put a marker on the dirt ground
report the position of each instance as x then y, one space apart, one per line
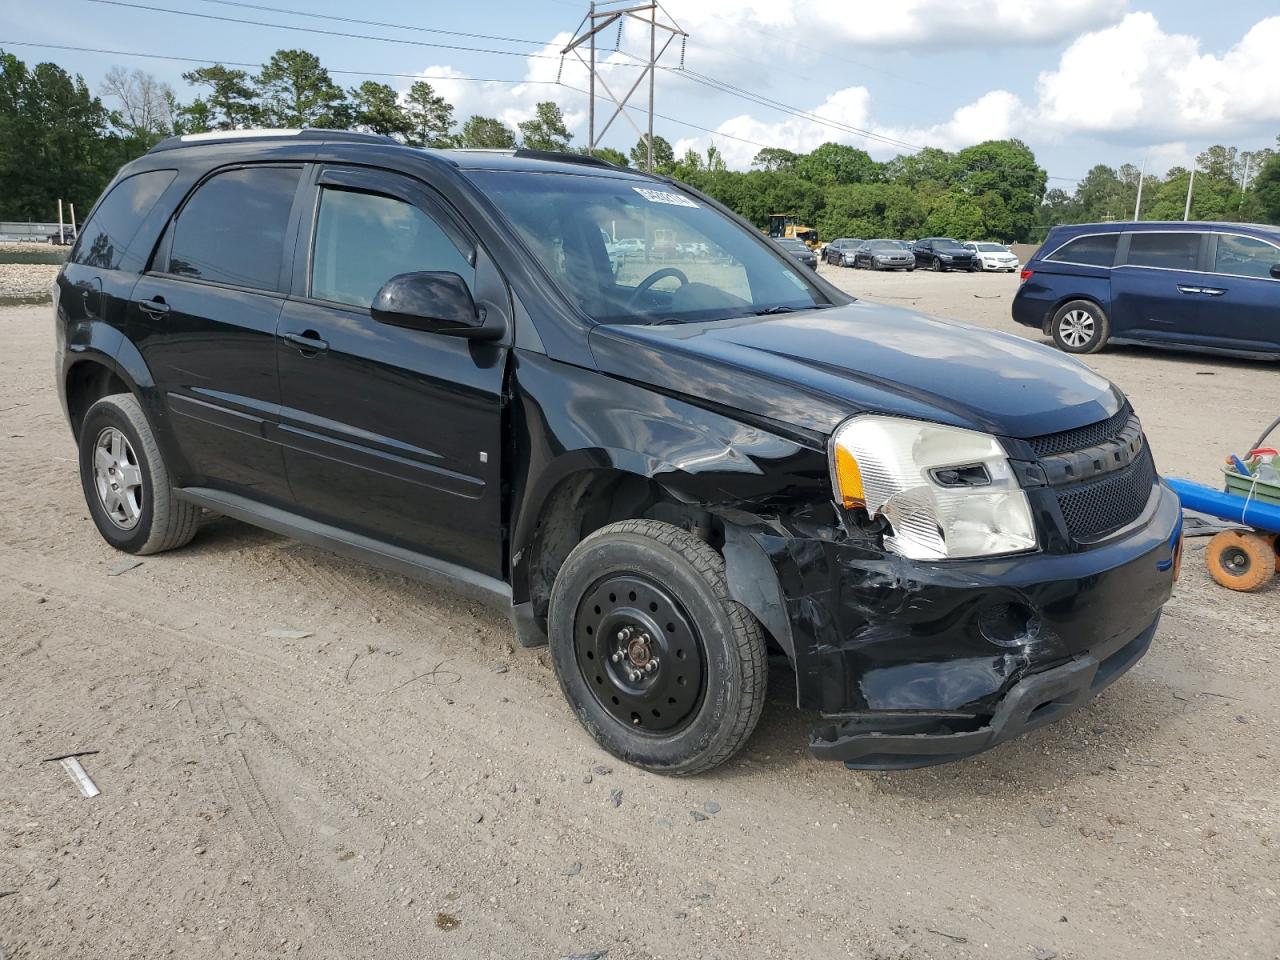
392 779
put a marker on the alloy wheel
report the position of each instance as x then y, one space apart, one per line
117 478
1076 328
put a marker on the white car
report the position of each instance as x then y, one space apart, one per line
994 256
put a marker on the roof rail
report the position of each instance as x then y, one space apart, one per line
563 156
267 133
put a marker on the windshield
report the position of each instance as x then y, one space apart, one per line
991 248
948 245
887 246
636 251
791 244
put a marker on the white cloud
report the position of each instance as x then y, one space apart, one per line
1135 79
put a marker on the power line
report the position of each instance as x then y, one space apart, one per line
373 23
243 63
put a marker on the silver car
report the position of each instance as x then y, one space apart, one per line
884 255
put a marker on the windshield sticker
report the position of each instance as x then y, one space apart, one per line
664 196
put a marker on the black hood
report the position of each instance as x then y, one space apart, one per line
814 368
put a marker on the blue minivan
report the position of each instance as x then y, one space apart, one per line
1189 286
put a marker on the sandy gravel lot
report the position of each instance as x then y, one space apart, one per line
394 780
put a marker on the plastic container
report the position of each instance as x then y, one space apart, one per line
1244 486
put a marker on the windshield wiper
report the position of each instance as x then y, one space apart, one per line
778 308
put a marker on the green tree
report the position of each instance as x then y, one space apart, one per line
1219 162
297 91
956 215
1213 197
610 155
1265 189
870 210
664 156
774 160
376 109
230 104
546 131
430 115
486 133
1005 175
55 141
930 165
837 163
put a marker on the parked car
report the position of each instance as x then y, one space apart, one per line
942 253
993 256
799 250
1201 286
884 255
629 247
420 359
840 252
65 238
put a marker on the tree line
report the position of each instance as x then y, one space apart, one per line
59 139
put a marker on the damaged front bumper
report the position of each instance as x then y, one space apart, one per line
914 663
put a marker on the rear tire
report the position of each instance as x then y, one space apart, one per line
126 484
639 592
1241 560
1080 326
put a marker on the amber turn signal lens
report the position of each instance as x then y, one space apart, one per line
849 480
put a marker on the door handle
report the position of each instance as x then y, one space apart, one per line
1213 291
1182 289
155 308
308 341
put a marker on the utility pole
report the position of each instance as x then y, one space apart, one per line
601 15
1141 176
1191 182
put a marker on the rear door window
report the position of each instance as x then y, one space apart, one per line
1245 256
1095 251
1170 251
232 229
106 235
365 239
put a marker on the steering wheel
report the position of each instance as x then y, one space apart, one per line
653 278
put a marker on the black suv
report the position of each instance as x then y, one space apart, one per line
671 467
943 253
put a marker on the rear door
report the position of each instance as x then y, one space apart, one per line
1157 284
390 432
1240 301
205 320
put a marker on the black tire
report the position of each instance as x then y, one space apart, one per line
1080 326
160 521
937 265
699 628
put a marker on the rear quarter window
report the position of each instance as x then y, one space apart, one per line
1098 250
106 236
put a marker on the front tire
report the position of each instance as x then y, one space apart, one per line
937 266
1080 326
661 666
126 484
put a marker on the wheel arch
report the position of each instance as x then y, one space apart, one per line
1047 326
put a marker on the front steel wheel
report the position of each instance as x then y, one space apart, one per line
661 666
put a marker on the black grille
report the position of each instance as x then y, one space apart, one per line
1098 507
1081 437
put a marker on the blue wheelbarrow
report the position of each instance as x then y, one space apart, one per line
1243 559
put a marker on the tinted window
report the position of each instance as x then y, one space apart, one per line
1174 251
232 229
105 237
364 239
1245 256
1097 251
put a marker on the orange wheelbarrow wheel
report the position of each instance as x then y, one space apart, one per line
1241 560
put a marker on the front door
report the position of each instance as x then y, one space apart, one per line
1240 302
391 432
205 320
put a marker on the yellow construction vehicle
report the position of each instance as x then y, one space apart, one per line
785 225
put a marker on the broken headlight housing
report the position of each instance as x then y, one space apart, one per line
946 493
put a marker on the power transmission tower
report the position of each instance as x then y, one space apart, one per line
602 15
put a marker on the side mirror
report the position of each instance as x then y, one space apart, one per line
435 302
1275 270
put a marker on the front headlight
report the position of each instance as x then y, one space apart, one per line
946 493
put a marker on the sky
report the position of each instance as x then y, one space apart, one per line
1080 81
